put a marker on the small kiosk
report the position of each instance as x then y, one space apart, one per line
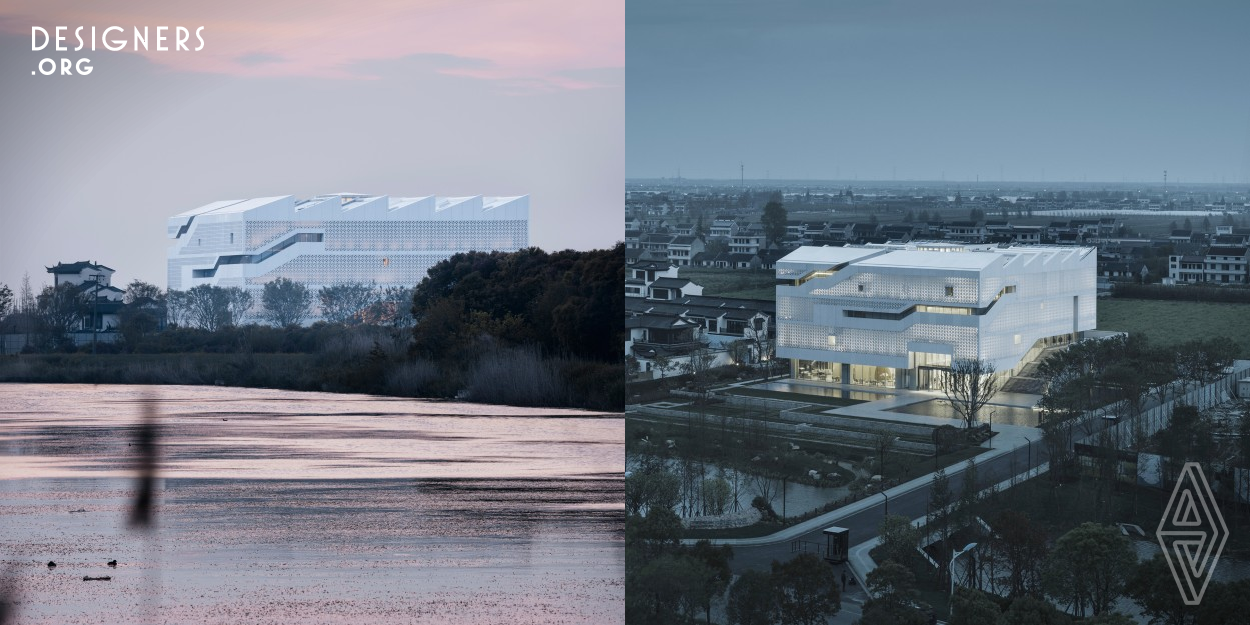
837 544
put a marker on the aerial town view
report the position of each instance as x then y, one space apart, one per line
928 322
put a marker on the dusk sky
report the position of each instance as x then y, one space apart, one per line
440 97
887 89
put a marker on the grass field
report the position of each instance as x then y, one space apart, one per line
1173 322
745 283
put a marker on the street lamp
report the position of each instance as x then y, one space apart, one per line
961 552
991 431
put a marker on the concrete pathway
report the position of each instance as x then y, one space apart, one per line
1001 451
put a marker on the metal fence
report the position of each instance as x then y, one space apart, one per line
1130 431
13 343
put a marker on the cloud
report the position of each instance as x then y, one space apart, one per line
540 43
260 58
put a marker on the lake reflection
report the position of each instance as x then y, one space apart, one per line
277 506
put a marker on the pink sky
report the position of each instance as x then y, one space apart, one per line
536 43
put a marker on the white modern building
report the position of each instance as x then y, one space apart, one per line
337 238
894 315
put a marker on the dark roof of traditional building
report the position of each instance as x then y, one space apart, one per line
77 267
648 264
670 283
1226 251
708 307
658 321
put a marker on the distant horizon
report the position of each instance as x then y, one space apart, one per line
762 182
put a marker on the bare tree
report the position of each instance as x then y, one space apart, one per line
343 303
700 369
205 307
740 352
1205 361
393 307
138 290
883 441
764 348
26 295
61 309
211 307
285 302
238 305
764 486
970 385
664 364
175 307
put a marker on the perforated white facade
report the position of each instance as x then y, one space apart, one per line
886 314
337 238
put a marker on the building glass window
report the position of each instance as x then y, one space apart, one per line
868 375
818 371
930 359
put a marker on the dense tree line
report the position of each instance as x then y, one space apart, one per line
1091 567
1117 376
526 328
666 582
1189 293
568 303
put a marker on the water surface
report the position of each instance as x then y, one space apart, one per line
276 506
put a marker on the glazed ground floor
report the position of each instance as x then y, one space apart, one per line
928 370
920 377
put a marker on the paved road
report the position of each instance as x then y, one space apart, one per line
911 504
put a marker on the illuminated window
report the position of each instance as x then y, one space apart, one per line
833 340
386 261
1016 339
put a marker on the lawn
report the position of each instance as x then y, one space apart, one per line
745 283
1172 322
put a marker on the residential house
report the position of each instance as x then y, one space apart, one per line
93 281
